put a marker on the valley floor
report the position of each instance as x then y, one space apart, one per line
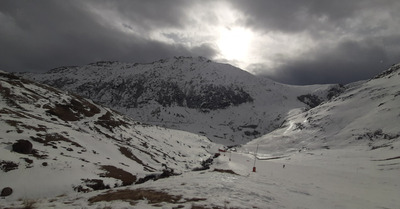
353 177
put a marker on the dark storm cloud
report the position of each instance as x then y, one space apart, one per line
148 14
38 36
294 16
349 61
354 39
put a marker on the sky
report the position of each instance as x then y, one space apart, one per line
295 42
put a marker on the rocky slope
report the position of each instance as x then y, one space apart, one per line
53 143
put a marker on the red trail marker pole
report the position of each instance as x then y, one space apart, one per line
255 158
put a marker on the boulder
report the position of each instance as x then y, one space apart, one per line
22 146
7 191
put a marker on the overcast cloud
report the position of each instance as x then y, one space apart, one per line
297 42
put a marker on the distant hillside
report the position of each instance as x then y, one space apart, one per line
367 113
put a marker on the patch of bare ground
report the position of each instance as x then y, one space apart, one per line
195 199
15 124
73 110
91 185
211 207
117 173
108 122
28 161
86 108
225 171
11 99
106 135
21 114
133 196
36 153
127 153
12 113
18 125
8 166
62 111
50 139
150 154
204 207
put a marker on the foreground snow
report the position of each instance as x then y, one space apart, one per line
354 177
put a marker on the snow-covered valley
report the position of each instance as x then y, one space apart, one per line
341 153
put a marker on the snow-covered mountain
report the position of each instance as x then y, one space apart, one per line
222 102
53 143
342 153
367 113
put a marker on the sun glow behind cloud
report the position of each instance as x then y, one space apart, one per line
219 27
221 33
234 43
